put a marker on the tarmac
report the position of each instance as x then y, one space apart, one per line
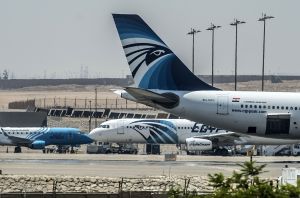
132 166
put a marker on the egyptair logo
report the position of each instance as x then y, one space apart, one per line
144 53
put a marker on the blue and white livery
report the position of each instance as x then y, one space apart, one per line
152 63
164 82
39 137
175 131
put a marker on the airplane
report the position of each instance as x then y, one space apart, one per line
163 81
196 136
39 137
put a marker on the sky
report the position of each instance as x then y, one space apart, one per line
72 38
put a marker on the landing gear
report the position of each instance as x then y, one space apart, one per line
72 150
59 149
222 151
18 149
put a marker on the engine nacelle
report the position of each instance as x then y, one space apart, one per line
198 144
38 144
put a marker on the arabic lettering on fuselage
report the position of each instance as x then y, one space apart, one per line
202 128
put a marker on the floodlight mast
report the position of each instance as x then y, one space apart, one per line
263 19
212 29
193 32
236 23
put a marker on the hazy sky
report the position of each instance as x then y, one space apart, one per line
55 38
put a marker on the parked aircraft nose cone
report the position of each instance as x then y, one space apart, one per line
92 134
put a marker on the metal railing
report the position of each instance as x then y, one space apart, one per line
87 103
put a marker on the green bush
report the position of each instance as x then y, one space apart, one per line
243 184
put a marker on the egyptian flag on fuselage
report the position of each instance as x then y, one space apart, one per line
236 99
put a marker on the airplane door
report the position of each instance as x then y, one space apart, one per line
120 127
222 105
294 125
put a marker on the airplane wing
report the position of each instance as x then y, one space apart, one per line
216 135
17 140
222 139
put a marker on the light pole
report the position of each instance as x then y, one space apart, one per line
212 29
90 119
264 18
236 23
95 107
193 32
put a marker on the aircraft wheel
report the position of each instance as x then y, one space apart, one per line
224 152
18 149
72 151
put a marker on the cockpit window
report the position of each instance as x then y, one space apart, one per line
104 126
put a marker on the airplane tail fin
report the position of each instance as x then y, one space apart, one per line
153 65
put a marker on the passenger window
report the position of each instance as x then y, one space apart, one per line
250 106
255 106
242 106
277 107
246 106
273 107
291 108
259 106
269 107
282 107
264 106
286 108
295 108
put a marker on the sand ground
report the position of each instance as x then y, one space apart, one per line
70 92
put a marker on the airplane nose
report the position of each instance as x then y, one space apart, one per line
92 134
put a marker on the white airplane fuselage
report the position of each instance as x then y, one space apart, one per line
242 111
164 131
162 80
172 131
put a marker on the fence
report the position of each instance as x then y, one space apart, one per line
135 194
86 103
21 104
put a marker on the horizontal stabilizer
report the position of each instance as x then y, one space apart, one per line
17 140
167 100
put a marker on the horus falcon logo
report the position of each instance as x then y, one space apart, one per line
139 53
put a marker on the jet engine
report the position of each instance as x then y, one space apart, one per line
198 144
38 144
